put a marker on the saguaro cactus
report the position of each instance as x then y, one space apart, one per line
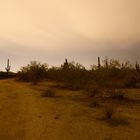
137 66
8 67
66 64
99 64
106 62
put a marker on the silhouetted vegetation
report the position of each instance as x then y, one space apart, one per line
3 75
33 72
111 74
72 75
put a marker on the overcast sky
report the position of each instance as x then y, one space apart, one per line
80 30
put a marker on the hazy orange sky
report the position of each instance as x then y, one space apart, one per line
52 30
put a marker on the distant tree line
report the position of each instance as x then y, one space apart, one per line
111 73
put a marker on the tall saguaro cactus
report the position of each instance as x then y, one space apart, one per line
137 66
8 67
66 64
99 64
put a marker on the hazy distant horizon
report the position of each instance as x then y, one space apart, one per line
79 30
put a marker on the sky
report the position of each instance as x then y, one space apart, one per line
81 30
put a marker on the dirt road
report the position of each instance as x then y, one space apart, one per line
19 113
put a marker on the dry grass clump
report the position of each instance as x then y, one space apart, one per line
93 91
109 111
48 93
117 94
113 117
94 103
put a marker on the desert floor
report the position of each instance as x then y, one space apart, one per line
69 115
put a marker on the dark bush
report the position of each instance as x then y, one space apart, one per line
93 91
48 93
73 75
116 94
109 74
94 103
33 72
109 111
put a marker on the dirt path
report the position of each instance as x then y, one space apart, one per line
19 113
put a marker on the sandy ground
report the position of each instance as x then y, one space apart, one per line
25 115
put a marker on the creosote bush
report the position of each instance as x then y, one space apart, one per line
72 75
117 94
93 91
94 103
113 117
109 111
109 74
33 72
48 93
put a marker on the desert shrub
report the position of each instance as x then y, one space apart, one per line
109 111
113 117
132 79
48 93
33 72
138 85
72 75
3 75
94 103
119 120
93 91
113 74
116 93
54 73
